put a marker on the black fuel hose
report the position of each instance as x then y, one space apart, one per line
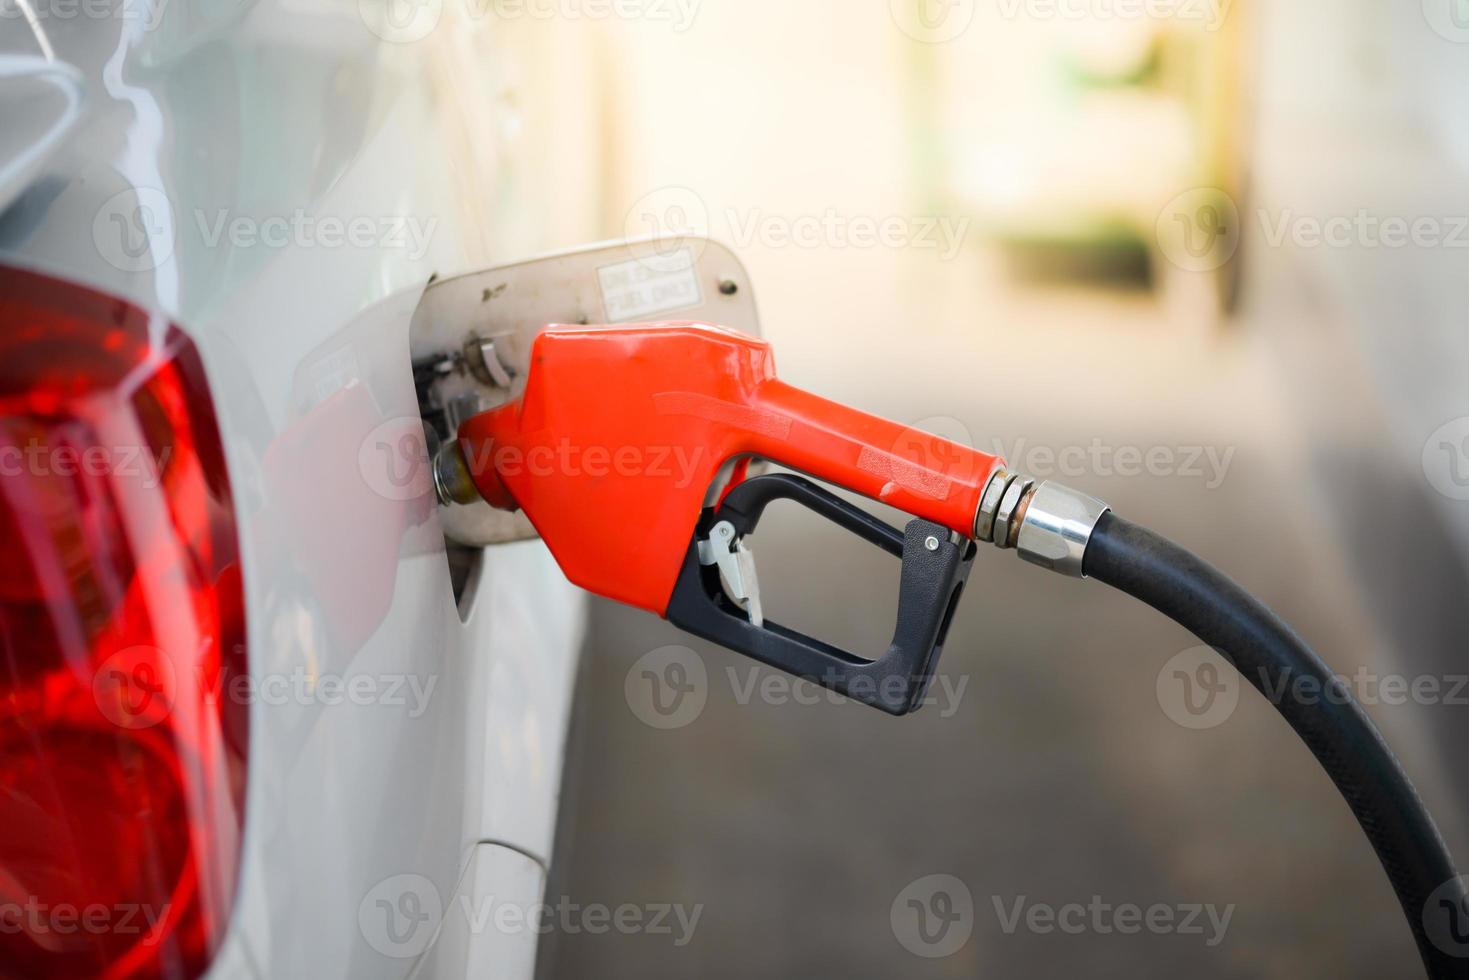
1334 727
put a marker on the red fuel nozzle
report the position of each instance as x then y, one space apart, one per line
614 447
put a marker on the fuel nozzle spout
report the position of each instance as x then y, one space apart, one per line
453 483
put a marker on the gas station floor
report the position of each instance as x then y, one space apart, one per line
1047 772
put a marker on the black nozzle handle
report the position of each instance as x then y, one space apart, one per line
933 574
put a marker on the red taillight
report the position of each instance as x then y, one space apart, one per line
122 752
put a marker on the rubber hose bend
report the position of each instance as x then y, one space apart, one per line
1273 658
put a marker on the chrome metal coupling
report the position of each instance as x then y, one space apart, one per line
1049 524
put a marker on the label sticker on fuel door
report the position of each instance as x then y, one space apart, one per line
652 284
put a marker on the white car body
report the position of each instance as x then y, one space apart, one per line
209 141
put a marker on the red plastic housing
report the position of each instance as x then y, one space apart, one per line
122 753
622 431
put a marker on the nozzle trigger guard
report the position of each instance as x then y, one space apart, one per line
933 575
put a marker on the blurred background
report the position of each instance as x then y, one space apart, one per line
1202 259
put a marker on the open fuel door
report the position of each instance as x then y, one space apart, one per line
471 335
